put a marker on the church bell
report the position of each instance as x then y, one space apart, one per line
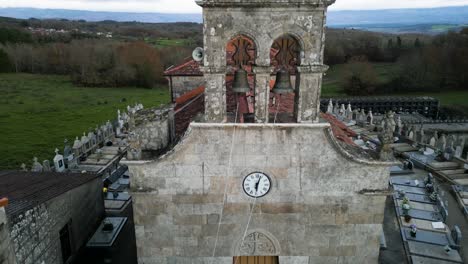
283 83
241 82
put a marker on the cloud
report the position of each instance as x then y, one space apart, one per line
390 4
160 6
189 6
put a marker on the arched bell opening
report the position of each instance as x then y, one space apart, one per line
241 52
285 58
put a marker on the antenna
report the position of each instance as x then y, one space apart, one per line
198 54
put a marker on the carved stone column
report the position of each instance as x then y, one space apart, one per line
215 94
308 90
262 93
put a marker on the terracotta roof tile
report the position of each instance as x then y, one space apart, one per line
188 68
340 130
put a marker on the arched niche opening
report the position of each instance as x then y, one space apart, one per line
285 55
241 52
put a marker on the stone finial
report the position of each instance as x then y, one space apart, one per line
336 109
36 166
399 125
422 135
329 108
355 114
442 143
342 112
349 112
370 117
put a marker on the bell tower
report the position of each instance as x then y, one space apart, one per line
288 36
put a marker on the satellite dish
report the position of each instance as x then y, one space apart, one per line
198 54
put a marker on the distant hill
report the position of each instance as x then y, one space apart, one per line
429 20
93 16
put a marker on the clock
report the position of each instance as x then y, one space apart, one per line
256 184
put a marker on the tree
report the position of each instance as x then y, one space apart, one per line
5 64
417 43
359 78
399 42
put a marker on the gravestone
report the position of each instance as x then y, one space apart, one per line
36 166
46 166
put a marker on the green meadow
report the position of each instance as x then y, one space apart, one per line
37 112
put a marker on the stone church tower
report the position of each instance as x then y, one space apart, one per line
264 22
270 192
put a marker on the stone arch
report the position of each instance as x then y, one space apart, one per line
240 40
257 242
241 50
289 46
292 33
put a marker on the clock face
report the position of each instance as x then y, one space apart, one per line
257 184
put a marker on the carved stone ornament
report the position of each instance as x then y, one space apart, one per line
257 244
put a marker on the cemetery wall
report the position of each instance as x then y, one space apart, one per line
318 211
7 255
35 233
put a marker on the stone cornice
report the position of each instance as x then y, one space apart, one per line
213 70
317 68
265 3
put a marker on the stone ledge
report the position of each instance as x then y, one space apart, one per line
269 125
265 3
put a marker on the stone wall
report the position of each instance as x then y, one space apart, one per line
7 256
184 84
35 233
316 211
153 131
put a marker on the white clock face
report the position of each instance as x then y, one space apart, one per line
257 184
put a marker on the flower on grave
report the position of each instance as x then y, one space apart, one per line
414 230
434 196
406 200
447 249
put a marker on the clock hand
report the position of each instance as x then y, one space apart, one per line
257 184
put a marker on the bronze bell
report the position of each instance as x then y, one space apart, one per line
241 82
283 83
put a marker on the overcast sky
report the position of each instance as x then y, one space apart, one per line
189 6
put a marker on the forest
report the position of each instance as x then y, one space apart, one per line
138 53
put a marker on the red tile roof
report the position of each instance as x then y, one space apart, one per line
189 68
340 130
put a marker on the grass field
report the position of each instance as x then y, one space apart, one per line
332 80
37 112
163 42
332 86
